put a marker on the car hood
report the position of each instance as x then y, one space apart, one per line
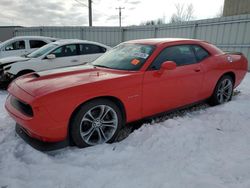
10 60
42 83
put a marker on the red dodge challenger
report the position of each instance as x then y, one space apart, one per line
136 79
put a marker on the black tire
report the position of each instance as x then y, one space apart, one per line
77 126
218 94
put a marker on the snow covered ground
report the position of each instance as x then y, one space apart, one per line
207 148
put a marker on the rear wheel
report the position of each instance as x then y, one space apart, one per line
96 122
223 91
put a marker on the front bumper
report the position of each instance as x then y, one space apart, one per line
39 145
41 125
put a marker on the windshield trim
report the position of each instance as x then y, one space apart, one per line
123 69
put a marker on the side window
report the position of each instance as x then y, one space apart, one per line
37 43
67 50
200 53
18 45
91 49
181 55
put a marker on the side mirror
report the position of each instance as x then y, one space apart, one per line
51 56
168 65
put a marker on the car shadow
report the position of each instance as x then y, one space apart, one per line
124 132
131 127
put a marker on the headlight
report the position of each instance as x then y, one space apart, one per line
6 76
9 75
6 68
5 71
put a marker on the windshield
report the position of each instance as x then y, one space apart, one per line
41 51
125 57
3 43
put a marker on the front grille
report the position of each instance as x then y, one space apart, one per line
21 106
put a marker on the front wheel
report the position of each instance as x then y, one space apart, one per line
223 91
96 122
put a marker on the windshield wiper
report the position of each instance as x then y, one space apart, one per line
26 55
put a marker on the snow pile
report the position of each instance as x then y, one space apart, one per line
208 148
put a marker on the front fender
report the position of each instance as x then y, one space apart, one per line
62 104
20 66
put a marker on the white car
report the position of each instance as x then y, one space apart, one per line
18 46
62 53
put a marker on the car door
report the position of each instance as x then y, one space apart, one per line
65 56
171 89
90 52
14 48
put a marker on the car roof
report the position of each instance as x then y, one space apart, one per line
73 41
32 37
159 41
26 37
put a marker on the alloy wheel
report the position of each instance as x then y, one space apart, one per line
225 90
98 124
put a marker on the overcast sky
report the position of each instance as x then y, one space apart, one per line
71 13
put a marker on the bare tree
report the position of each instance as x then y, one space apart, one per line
219 13
153 22
182 13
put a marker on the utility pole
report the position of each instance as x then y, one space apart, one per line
90 9
120 15
90 13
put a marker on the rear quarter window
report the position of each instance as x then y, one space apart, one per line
200 53
91 49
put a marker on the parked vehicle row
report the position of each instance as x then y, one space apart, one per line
18 46
137 79
62 53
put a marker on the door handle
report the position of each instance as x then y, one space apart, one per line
197 69
74 60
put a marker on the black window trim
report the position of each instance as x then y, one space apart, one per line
191 47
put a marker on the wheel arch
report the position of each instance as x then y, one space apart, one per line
116 100
231 74
25 71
